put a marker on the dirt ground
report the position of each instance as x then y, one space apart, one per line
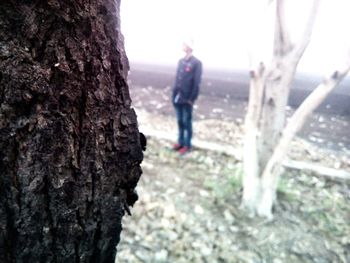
189 207
189 211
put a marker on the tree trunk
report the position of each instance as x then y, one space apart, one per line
69 144
265 120
276 92
251 179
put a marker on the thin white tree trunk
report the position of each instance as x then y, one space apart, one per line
286 57
272 122
251 179
277 87
266 113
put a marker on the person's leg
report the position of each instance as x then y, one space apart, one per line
187 117
180 123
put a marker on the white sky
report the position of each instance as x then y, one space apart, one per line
222 30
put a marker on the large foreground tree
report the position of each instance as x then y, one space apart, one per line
69 143
266 137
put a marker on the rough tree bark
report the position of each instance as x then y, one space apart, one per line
265 119
69 143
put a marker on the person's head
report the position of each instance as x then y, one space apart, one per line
187 46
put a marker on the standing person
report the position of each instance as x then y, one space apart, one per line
185 93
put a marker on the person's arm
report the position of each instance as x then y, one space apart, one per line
174 92
196 82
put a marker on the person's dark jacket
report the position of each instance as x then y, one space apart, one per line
188 78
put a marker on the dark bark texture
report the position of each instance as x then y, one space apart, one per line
70 149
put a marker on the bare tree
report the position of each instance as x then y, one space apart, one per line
69 146
265 119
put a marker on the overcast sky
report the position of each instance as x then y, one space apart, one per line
222 30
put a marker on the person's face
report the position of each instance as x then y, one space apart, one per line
186 48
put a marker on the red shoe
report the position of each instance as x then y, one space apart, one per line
177 147
184 150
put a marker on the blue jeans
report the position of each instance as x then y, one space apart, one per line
184 121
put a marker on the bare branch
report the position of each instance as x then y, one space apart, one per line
282 41
306 36
300 116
